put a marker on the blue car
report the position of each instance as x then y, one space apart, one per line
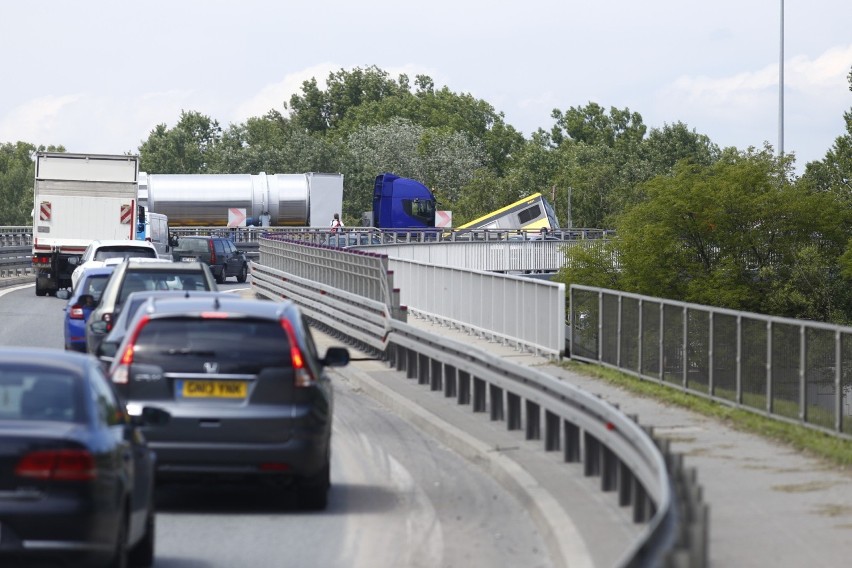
86 296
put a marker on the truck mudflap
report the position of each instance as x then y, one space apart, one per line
45 283
53 272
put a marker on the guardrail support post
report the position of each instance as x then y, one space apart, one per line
573 449
592 458
609 469
496 396
479 402
423 369
551 431
533 421
464 387
450 381
513 402
436 377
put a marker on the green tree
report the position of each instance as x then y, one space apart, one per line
188 148
17 171
484 193
592 125
445 110
601 161
319 111
834 172
736 234
273 144
667 146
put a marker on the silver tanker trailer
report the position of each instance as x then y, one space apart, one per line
209 200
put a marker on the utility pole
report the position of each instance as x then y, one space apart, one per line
781 89
570 220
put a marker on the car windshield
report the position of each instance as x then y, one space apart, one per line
36 394
124 251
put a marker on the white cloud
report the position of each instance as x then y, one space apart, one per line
273 95
825 74
742 109
736 95
36 119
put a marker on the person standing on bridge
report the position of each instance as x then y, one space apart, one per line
336 223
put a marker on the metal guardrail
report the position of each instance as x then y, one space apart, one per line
639 468
792 370
15 263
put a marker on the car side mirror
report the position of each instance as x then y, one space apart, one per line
106 350
147 415
336 357
99 326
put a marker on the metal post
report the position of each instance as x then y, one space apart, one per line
781 88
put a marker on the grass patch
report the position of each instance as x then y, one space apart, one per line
812 442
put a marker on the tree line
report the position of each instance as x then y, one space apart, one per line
694 222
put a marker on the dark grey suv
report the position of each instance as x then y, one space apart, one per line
220 253
139 275
245 388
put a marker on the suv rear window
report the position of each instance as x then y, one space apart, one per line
195 245
124 251
237 345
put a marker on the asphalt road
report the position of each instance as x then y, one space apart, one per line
399 498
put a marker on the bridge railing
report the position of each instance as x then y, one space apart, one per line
793 370
15 255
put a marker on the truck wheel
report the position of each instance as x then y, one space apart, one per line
39 290
243 275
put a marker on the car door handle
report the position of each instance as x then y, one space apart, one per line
209 423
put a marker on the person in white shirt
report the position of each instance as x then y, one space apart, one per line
336 223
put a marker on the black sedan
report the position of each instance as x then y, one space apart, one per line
76 475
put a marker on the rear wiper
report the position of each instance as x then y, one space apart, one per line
188 351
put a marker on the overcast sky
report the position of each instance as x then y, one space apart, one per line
98 76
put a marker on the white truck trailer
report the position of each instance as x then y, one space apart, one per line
79 198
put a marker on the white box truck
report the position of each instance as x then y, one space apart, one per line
79 198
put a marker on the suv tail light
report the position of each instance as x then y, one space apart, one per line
107 317
76 312
302 375
59 465
121 373
212 248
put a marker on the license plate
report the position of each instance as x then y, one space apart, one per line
188 259
212 389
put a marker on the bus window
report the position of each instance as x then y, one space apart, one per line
529 214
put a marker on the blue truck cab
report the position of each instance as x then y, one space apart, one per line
402 203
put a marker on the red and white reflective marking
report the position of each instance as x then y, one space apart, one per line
126 214
44 211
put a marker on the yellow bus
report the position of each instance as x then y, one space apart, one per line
530 214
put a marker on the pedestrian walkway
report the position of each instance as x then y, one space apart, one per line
770 505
